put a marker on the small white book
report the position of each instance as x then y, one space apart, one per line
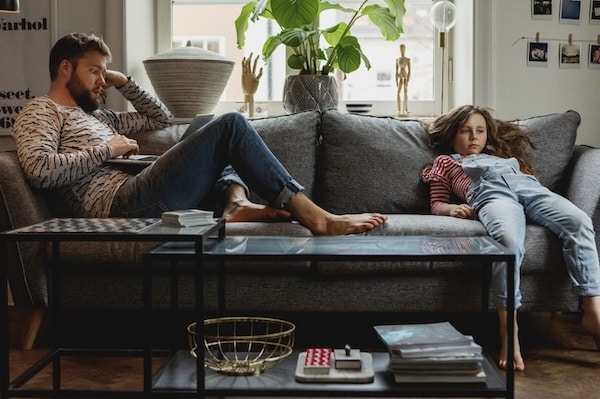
187 217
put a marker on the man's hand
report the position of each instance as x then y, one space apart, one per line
121 145
114 79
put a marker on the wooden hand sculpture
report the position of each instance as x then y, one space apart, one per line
250 82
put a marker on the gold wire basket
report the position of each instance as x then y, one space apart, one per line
243 345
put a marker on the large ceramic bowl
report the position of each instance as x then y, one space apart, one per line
189 80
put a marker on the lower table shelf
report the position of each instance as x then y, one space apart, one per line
178 374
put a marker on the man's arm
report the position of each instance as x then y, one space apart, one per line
150 112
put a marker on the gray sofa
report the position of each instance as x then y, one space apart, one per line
348 163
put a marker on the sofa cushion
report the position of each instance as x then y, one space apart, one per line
370 163
554 138
294 140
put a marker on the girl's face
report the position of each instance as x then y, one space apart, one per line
471 137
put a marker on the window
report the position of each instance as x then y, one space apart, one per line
210 24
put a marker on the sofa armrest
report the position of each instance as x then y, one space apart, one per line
583 187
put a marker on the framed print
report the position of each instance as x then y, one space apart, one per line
595 12
25 47
570 11
570 55
541 9
594 56
537 54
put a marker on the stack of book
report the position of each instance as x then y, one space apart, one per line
187 217
432 353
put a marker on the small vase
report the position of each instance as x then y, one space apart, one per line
309 92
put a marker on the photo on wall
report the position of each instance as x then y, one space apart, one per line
537 54
595 12
570 55
541 9
570 11
594 56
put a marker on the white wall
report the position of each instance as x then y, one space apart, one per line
504 82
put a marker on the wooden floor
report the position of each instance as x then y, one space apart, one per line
560 363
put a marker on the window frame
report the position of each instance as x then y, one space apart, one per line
418 108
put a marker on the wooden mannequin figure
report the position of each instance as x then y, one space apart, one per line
402 78
250 82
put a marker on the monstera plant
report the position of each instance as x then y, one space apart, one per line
317 50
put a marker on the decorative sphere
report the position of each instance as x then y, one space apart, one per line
443 15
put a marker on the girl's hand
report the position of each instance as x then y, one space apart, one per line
462 211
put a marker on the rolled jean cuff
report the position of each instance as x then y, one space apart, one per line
226 181
288 192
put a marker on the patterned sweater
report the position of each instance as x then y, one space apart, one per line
445 177
63 149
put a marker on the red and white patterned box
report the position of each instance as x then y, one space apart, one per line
318 361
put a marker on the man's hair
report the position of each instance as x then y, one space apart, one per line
72 47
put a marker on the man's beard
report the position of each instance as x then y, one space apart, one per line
81 95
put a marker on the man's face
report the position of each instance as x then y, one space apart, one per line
86 84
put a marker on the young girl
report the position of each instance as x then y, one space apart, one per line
485 167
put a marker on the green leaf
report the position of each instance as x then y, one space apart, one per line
291 14
270 46
325 5
241 23
294 37
384 20
334 34
397 9
259 9
296 61
348 58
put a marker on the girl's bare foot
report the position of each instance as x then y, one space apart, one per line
518 363
591 317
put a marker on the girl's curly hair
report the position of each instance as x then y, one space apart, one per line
504 139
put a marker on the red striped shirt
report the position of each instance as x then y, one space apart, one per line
445 177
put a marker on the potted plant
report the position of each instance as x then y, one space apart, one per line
316 51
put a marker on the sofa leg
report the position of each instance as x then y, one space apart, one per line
32 329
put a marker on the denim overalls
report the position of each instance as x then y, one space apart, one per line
504 198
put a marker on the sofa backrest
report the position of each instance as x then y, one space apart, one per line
370 163
294 140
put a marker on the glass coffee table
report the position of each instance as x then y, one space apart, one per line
55 231
185 374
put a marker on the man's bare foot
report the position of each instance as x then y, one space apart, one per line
321 223
518 363
591 317
246 211
335 225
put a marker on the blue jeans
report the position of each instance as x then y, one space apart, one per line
505 198
206 162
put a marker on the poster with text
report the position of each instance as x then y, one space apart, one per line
25 41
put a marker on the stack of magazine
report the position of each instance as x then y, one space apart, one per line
432 353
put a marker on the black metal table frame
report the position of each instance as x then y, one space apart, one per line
158 253
12 388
